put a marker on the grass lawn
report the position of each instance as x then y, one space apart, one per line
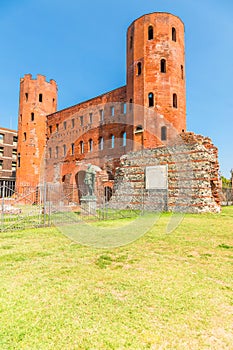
164 291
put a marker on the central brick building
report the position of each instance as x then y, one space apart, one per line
147 113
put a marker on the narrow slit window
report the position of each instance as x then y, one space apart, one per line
163 66
81 147
56 152
26 96
101 143
50 129
112 141
124 139
151 99
19 159
139 70
150 33
164 133
173 34
64 150
101 115
72 123
175 100
32 116
112 111
72 149
64 125
182 71
131 42
40 97
91 118
57 127
24 136
90 144
81 120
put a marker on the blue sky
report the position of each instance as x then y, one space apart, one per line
81 44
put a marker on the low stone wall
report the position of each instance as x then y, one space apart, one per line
193 182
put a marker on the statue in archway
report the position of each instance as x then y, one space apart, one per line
89 179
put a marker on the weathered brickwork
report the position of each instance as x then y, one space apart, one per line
37 99
193 183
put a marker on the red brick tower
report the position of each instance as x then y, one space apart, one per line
156 77
38 98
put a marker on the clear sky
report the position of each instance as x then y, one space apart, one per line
82 45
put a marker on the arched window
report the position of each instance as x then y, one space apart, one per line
182 72
124 139
163 66
139 66
81 147
173 34
175 100
90 145
150 33
164 133
150 99
101 143
112 141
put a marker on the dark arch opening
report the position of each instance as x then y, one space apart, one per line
163 66
150 99
175 100
150 33
173 34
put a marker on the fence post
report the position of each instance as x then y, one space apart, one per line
3 200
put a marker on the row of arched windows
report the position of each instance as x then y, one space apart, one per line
151 33
163 68
151 100
111 144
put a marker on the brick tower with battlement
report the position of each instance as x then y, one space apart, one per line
37 99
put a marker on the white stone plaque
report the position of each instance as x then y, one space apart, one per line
156 177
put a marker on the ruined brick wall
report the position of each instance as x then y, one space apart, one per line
156 64
193 182
38 98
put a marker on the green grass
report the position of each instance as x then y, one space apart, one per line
164 291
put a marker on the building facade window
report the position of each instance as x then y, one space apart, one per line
182 71
64 125
123 108
90 145
175 103
139 68
14 153
40 98
112 111
163 133
101 115
173 34
112 141
81 120
150 99
91 118
13 166
72 149
50 152
19 160
1 138
1 151
72 123
124 139
101 143
1 164
56 152
150 33
24 136
64 150
32 116
81 147
26 96
163 66
50 129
